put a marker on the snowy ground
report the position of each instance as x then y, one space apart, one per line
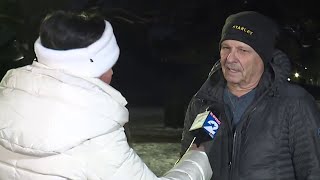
157 145
159 157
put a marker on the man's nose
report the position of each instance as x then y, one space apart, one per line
231 57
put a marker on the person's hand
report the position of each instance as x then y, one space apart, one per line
205 147
200 148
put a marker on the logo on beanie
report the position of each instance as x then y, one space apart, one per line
244 29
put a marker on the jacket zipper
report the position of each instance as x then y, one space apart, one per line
234 140
232 155
234 146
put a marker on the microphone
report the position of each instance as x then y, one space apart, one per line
205 127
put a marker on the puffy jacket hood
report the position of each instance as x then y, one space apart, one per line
281 65
46 112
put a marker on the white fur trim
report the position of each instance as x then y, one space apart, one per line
104 53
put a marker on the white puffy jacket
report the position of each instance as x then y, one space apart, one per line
56 126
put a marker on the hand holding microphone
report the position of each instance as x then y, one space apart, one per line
204 129
207 130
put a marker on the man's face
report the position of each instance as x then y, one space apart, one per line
107 76
241 65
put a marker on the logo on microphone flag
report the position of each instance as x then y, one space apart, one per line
207 121
211 124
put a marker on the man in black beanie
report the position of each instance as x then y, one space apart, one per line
269 129
253 29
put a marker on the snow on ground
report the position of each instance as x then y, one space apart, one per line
159 157
156 145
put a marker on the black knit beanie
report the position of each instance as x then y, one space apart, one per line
253 29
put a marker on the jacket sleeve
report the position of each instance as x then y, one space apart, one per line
113 158
305 139
194 165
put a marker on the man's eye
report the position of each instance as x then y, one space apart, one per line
244 50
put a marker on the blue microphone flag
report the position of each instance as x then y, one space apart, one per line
205 124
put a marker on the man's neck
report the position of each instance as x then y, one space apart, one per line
238 90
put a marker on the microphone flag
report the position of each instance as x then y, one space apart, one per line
205 127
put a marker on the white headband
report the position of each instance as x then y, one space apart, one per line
91 61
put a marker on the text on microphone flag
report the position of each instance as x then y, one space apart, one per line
211 124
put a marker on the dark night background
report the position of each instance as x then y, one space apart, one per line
168 46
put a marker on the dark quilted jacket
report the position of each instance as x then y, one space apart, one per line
278 137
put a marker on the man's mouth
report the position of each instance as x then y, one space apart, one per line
232 70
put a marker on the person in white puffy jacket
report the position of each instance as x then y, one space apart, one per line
60 118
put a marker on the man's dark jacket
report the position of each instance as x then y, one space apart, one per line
278 136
